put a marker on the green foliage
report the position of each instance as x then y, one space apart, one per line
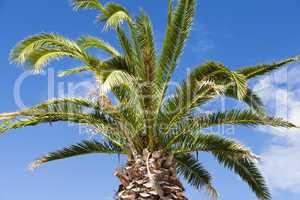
231 155
37 51
251 99
114 15
87 4
73 110
170 11
203 84
194 142
247 170
83 148
145 41
92 42
254 71
220 74
74 71
177 33
239 117
142 117
195 174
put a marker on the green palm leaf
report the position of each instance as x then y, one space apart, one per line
45 40
118 78
259 70
87 4
195 174
74 71
253 101
92 42
248 172
73 110
239 117
114 16
37 51
42 57
145 41
176 35
192 123
83 148
231 155
192 142
188 97
61 105
204 83
170 12
220 75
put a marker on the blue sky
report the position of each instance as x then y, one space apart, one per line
237 33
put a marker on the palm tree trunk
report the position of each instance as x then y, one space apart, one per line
151 176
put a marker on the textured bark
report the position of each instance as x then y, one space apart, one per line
150 177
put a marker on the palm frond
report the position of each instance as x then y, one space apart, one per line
116 20
73 110
37 51
75 105
37 60
80 149
117 78
239 117
130 106
188 96
259 70
92 42
195 174
115 63
114 16
241 85
235 117
113 69
145 41
249 173
170 11
63 104
253 101
191 142
74 71
220 74
202 84
45 40
86 119
99 122
176 36
230 154
127 46
223 83
87 4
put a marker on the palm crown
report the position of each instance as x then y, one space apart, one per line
144 117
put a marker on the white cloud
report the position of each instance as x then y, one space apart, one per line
281 166
281 163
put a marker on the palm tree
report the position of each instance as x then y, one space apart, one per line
159 134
